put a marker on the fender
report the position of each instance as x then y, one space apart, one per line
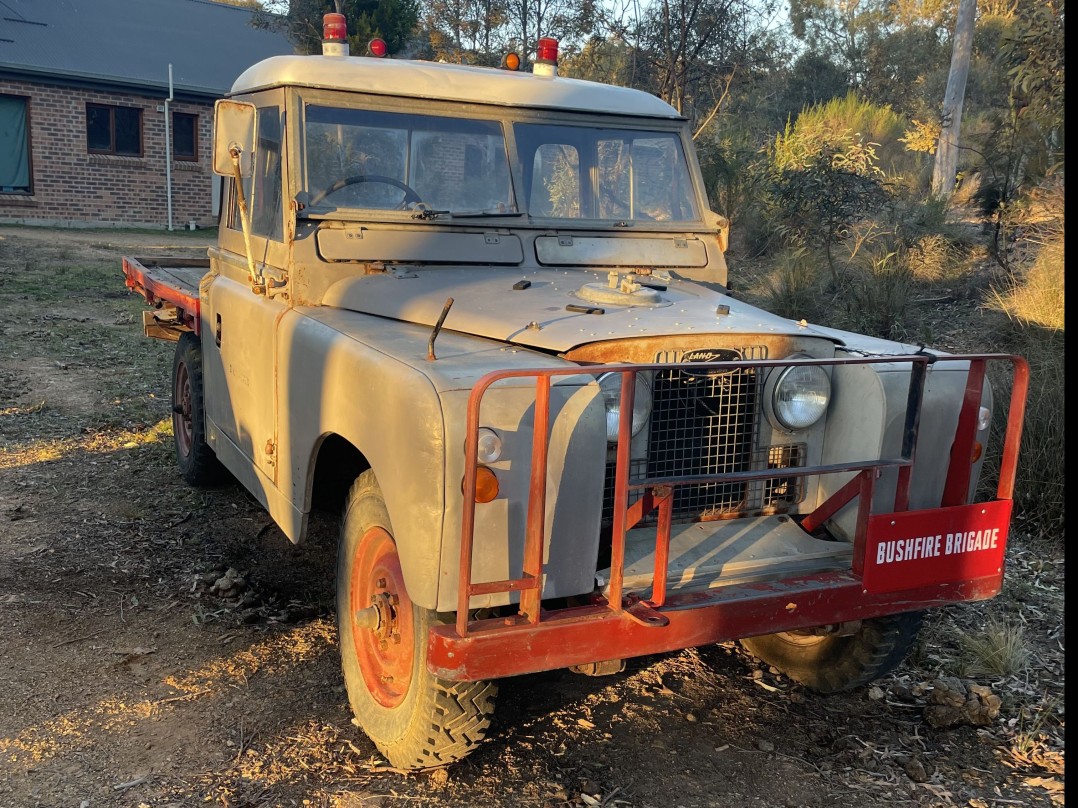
361 377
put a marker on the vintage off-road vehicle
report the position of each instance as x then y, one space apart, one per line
485 313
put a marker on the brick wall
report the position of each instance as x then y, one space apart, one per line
73 187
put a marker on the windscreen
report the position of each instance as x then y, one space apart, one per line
380 160
578 172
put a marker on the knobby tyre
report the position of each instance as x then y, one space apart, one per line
831 663
196 459
416 719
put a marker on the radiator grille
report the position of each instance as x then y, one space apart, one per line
703 424
707 423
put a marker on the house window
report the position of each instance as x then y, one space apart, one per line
184 136
14 145
114 130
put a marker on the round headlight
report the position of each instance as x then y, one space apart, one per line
610 384
800 396
490 445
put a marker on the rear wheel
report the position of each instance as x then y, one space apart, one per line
197 461
831 663
414 718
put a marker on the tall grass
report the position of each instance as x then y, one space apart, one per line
1033 301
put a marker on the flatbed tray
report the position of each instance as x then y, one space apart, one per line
169 283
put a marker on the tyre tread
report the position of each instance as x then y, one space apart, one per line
843 663
200 468
449 719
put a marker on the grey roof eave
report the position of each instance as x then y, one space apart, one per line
91 79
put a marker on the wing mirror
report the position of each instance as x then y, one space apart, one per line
233 137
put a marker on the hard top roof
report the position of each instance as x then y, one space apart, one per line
453 82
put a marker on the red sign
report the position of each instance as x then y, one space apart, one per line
943 545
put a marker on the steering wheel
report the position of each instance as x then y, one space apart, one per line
410 194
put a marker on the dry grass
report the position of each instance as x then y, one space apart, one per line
1036 298
999 649
791 288
1033 301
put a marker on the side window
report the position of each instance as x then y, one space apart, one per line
555 188
14 145
266 200
262 190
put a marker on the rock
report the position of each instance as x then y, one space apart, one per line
439 778
690 718
952 703
982 706
765 745
229 585
915 770
900 690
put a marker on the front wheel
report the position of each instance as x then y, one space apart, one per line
831 663
416 720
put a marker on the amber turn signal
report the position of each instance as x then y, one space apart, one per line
978 450
486 485
511 61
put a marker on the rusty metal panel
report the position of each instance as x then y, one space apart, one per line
506 647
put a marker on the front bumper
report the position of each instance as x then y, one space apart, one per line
898 562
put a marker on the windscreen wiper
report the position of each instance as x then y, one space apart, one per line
485 214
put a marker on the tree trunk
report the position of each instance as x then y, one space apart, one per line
945 169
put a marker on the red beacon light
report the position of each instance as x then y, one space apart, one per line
377 47
334 35
546 57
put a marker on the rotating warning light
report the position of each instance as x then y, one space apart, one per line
334 28
377 47
546 57
334 35
546 50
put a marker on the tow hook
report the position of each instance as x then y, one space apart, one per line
847 629
605 668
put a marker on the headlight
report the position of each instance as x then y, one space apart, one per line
610 384
800 396
490 445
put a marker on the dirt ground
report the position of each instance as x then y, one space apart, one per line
128 678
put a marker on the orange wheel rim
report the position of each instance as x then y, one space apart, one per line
385 654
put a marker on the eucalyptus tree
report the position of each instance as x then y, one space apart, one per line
394 21
467 31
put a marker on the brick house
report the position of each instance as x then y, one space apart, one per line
84 91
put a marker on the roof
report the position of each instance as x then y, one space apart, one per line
439 80
132 42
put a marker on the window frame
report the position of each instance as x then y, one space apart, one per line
27 103
112 130
192 158
252 183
